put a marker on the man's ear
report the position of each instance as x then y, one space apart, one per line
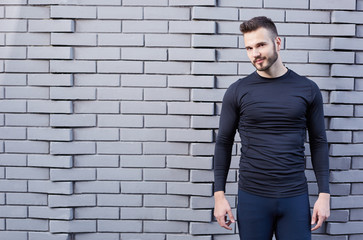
278 43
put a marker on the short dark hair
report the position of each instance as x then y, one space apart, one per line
259 22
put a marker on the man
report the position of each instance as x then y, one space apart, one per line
271 109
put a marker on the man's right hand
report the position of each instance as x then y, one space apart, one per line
222 209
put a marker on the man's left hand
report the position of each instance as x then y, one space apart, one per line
321 210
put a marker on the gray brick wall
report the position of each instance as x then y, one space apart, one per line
109 111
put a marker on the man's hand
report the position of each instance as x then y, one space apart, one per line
221 208
321 210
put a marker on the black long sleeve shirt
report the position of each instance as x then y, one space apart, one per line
272 115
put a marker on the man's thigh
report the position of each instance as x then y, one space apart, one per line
255 216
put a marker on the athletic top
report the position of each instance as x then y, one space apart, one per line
272 115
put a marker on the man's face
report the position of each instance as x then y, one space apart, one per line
261 48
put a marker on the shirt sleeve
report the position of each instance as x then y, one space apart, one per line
228 124
318 140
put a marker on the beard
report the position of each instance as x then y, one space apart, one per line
269 61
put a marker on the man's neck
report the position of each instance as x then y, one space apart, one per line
276 70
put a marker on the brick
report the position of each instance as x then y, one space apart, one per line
203 149
96 134
83 200
13 211
338 110
339 43
167 40
334 83
310 69
64 66
119 67
27 173
119 121
286 4
179 188
31 66
346 97
147 26
165 201
15 133
191 108
307 16
119 148
78 120
51 25
346 176
358 137
142 81
74 39
205 122
345 228
119 39
49 213
72 175
167 67
227 27
166 226
66 148
171 13
192 3
332 29
14 235
96 161
50 187
143 161
356 214
340 163
26 93
214 68
143 236
212 13
97 213
13 185
96 107
119 174
191 81
332 4
13 25
97 187
104 80
50 80
119 200
214 41
78 226
184 237
95 236
133 107
346 123
165 148
15 39
346 70
143 213
79 2
142 135
74 93
192 27
165 175
200 176
12 79
13 160
346 17
145 2
50 53
178 135
168 94
97 53
357 188
15 106
49 134
209 228
119 13
26 147
346 149
119 226
307 43
50 161
208 95
275 15
228 55
331 57
26 199
27 224
39 106
78 12
144 53
106 26
339 136
143 187
175 214
180 54
358 111
12 52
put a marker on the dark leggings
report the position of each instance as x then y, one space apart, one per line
259 218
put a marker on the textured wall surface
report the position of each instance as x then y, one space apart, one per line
109 112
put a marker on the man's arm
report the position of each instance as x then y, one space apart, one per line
319 157
222 156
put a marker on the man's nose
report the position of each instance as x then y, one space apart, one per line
255 53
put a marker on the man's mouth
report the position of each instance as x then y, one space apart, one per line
259 60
